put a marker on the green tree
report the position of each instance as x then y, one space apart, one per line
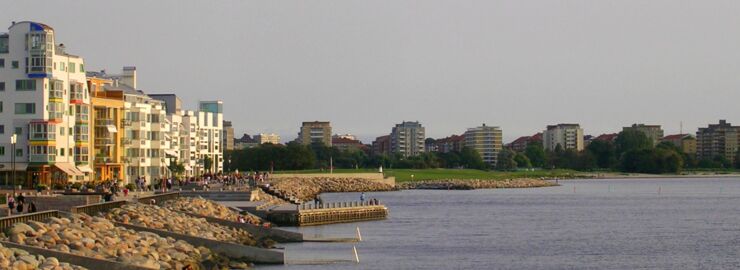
536 154
208 163
604 152
506 160
470 158
522 161
631 140
176 168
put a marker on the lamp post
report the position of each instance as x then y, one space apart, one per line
13 140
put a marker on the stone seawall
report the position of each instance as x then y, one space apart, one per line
305 189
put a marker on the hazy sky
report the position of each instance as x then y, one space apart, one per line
367 65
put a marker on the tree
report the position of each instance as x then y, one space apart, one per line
657 160
536 154
506 160
522 161
470 158
207 163
604 153
629 140
176 168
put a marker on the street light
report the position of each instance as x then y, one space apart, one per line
13 140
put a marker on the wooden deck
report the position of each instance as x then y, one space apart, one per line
292 215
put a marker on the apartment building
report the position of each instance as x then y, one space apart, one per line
487 140
407 139
721 139
568 136
653 132
228 136
381 145
685 142
264 138
210 127
317 131
107 118
45 89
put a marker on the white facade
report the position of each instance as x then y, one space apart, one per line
264 138
407 139
46 102
568 136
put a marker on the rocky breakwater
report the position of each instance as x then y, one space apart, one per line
18 259
203 207
99 238
463 184
155 217
305 189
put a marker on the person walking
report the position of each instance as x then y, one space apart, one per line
11 203
362 197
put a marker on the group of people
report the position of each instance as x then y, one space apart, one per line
373 201
19 204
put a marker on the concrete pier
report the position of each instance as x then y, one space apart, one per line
335 212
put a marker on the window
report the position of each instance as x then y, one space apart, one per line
82 68
2 86
1 106
2 63
25 85
19 131
2 150
18 152
71 67
61 131
61 151
4 43
25 108
15 64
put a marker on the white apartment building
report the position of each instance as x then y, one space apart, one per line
487 140
264 138
145 126
45 91
568 136
210 128
407 139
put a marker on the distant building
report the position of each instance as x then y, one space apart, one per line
345 136
346 144
587 139
264 138
245 141
452 143
718 140
685 142
430 145
653 132
568 136
521 143
407 139
228 136
611 137
487 140
316 131
382 145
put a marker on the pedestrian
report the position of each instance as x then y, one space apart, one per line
19 207
321 201
362 197
32 208
11 203
21 199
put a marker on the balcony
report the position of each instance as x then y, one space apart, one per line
103 159
102 122
84 137
42 158
126 122
104 141
57 95
125 141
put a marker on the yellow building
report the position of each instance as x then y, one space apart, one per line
107 118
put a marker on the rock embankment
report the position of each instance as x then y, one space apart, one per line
305 189
18 259
268 199
203 207
462 184
99 238
152 216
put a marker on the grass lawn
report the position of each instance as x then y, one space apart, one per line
404 175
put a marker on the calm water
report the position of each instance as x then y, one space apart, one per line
601 224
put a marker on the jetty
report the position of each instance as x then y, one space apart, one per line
333 212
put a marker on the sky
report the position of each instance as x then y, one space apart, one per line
452 65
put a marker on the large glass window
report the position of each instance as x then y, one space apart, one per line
25 85
25 108
4 44
43 131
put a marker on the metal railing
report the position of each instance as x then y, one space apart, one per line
334 205
93 209
40 216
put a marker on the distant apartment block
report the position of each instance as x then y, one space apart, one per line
228 136
653 132
609 137
264 138
382 145
346 143
568 136
407 139
317 131
453 143
487 140
718 140
685 142
246 141
521 143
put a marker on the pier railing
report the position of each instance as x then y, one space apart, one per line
6 222
159 198
94 209
334 205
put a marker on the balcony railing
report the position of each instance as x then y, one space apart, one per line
55 115
104 122
82 137
42 158
43 136
104 141
126 122
125 141
56 94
